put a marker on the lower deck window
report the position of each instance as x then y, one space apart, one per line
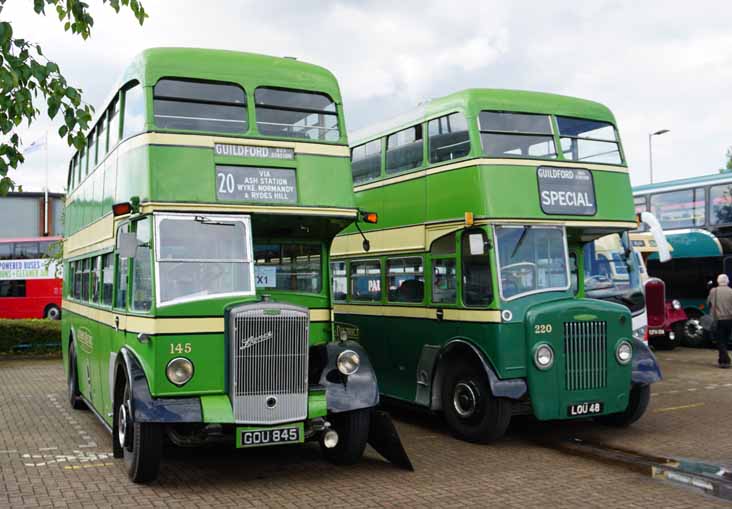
444 281
405 279
12 288
366 281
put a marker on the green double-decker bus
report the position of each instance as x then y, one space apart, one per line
475 299
199 220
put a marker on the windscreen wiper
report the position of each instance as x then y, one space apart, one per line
520 240
207 220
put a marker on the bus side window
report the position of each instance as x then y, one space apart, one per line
339 289
120 298
76 291
86 264
477 287
573 273
405 279
107 279
444 270
95 278
12 288
449 138
142 269
366 280
133 116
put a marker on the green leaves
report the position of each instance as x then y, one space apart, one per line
26 75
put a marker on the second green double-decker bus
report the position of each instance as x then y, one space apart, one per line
199 219
475 298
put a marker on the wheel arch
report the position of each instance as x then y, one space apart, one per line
463 348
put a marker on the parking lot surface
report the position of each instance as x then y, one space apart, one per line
55 457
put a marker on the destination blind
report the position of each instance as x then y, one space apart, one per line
566 191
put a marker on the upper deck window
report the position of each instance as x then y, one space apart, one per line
113 113
296 114
366 161
449 138
404 150
516 135
200 106
679 209
134 114
588 140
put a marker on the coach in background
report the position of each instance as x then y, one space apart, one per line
720 304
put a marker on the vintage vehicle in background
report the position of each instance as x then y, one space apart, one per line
696 215
199 221
30 283
472 300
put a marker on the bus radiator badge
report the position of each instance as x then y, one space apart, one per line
255 340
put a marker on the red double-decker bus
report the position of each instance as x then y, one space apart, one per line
30 285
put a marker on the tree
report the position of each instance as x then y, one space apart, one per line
28 78
729 158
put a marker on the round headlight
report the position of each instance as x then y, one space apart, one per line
676 304
543 356
179 371
624 352
348 362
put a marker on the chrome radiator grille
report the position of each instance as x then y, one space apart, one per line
585 353
269 363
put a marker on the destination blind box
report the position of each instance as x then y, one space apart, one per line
566 191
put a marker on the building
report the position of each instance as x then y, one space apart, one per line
23 215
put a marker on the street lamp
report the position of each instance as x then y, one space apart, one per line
650 148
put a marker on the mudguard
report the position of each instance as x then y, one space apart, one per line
353 392
145 408
645 367
513 388
384 438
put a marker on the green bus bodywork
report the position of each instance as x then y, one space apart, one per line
415 345
121 330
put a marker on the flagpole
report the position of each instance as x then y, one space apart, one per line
45 207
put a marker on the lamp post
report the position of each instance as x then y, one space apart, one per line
650 148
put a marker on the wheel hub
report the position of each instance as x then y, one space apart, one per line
122 423
693 328
465 399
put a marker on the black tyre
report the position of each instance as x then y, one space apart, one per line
640 395
353 433
73 381
693 334
141 442
52 312
470 409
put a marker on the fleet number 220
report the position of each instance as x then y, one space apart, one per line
544 328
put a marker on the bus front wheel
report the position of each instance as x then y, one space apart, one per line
640 395
73 381
52 312
353 433
470 409
141 443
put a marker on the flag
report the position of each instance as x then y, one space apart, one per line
36 145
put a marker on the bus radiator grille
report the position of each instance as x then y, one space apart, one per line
585 353
269 363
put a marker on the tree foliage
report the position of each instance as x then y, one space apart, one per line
729 158
29 79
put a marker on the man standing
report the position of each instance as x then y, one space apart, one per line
720 304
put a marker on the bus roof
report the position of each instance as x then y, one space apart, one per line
28 239
472 100
721 176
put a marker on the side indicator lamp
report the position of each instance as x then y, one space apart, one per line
469 219
370 217
120 209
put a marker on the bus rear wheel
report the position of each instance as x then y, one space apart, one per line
693 332
470 409
353 433
73 381
52 312
640 395
141 442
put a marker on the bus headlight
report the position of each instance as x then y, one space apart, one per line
348 362
676 304
179 371
624 352
543 356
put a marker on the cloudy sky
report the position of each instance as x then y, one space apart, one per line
656 64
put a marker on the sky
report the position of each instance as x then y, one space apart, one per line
655 64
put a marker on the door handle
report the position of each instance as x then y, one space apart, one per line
440 314
116 323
